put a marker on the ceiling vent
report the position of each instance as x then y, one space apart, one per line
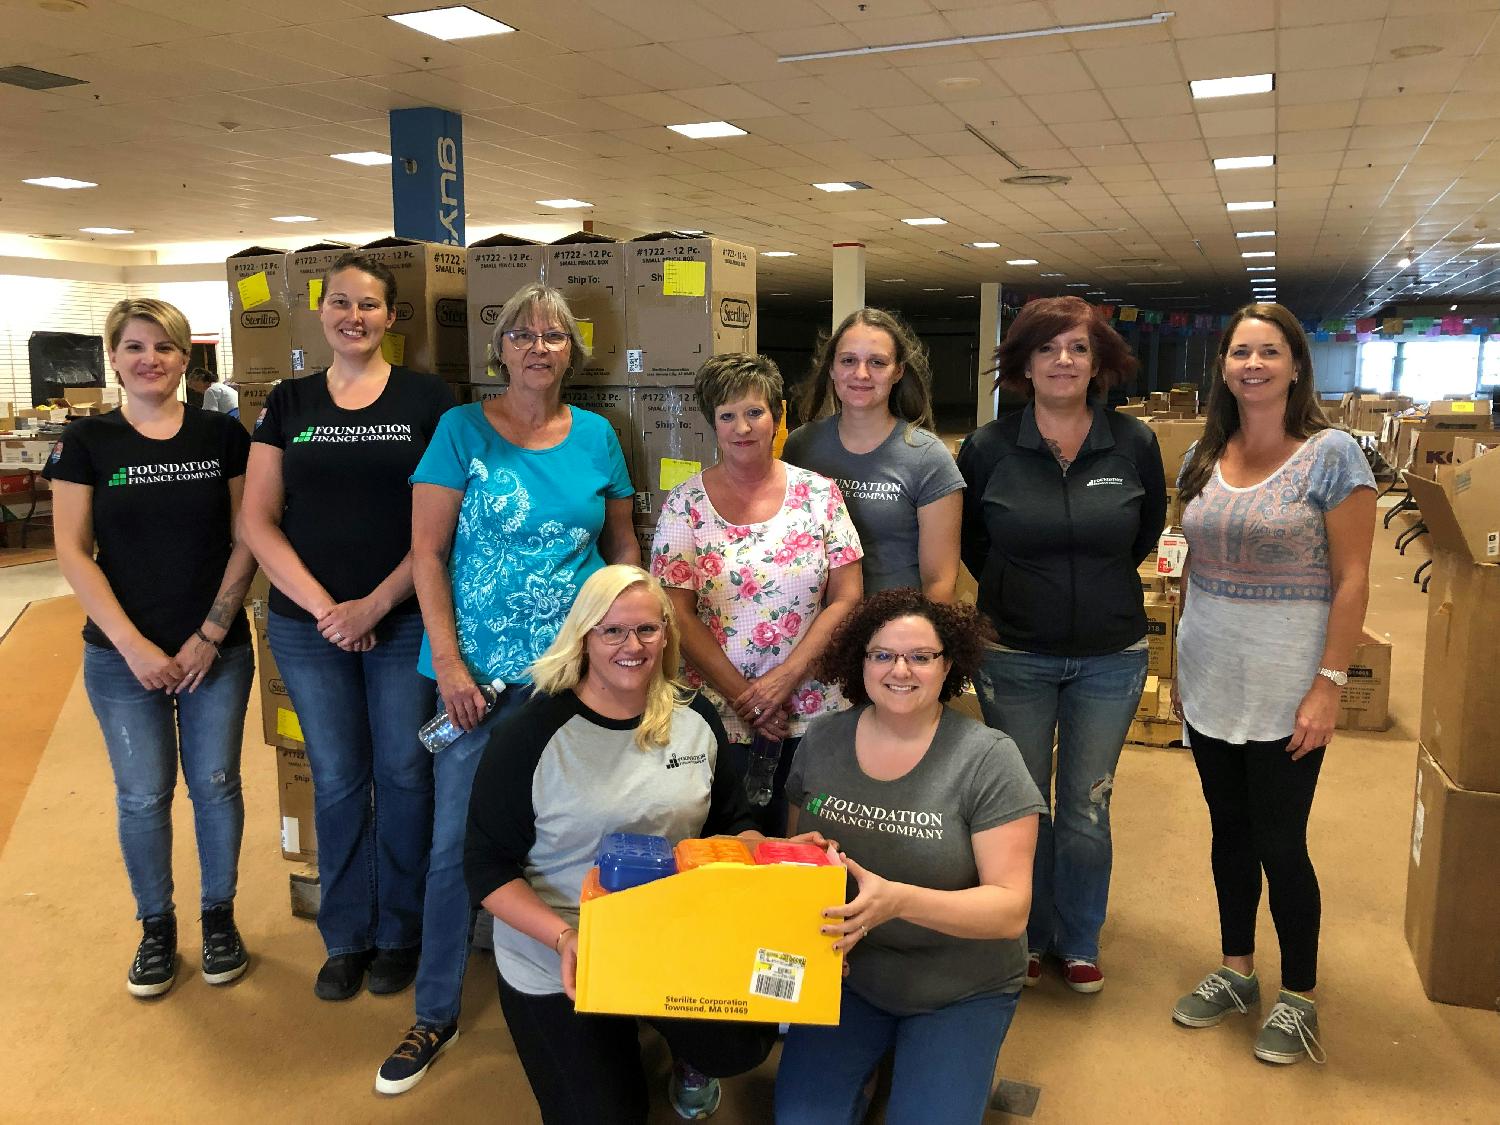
29 78
1037 179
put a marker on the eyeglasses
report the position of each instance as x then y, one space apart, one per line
885 658
648 633
554 339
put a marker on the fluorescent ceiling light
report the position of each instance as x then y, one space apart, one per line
684 230
703 130
1064 275
778 254
452 23
562 204
1258 254
1476 246
929 221
1078 285
105 230
967 297
780 294
982 245
1020 261
1403 263
1263 283
1096 292
1256 234
929 289
294 218
1256 205
890 279
62 183
1234 163
366 158
843 185
1233 87
1259 269
965 40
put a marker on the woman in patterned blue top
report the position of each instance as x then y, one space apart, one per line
1279 514
518 500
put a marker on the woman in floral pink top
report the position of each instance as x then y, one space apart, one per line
756 555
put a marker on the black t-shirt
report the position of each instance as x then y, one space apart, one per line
347 509
162 517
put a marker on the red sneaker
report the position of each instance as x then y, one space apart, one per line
1033 968
1083 976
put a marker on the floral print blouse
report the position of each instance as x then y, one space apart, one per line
759 586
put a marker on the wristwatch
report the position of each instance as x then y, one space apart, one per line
1339 678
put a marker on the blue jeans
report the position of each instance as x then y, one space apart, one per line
372 778
145 732
447 915
944 1063
1085 705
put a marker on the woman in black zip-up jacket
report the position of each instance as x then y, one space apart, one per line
1063 502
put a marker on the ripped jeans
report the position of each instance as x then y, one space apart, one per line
1085 706
145 732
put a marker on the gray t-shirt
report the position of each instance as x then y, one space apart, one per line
918 829
883 490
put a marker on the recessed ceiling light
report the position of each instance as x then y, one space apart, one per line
1259 269
892 279
105 230
958 81
1403 263
842 185
452 23
1055 275
294 218
930 289
693 233
778 253
1256 234
967 297
982 245
562 204
1485 246
1254 205
1096 292
1078 285
367 158
928 221
62 183
1020 261
1452 308
1258 254
1414 50
1233 87
704 130
1234 163
1262 282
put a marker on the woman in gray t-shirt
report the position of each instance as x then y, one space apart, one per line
937 816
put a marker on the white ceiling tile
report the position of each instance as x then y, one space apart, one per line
1055 73
1069 107
1182 127
1126 66
1328 45
1328 115
1150 101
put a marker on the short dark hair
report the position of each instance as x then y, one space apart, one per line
1047 317
960 629
202 375
354 260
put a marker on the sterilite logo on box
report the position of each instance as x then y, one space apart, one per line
165 473
452 313
267 318
319 434
734 313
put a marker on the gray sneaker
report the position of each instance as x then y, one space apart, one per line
1221 992
1291 1032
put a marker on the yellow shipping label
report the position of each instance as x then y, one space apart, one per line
586 331
675 470
288 725
1462 408
683 279
393 347
314 293
255 290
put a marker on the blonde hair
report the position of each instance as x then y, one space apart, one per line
565 663
165 316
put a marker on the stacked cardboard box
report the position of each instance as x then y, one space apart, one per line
260 315
1453 878
305 271
283 734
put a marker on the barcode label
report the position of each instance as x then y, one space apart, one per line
777 976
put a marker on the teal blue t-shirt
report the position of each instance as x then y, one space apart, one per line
527 535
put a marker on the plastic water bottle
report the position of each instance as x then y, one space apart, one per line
440 731
765 755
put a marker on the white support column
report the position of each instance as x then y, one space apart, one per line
985 405
848 280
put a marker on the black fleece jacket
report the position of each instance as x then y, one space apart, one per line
1056 554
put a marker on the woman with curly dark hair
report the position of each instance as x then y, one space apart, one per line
1063 502
942 814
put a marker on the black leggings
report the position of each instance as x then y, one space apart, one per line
586 1069
1258 802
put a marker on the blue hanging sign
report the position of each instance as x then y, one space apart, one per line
427 175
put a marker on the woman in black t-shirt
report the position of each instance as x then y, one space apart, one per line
144 501
328 514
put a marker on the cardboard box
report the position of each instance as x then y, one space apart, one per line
1453 889
1468 446
673 441
431 332
1134 409
305 269
498 266
294 784
279 722
1174 508
252 402
1460 408
688 299
1175 436
31 452
1460 723
727 941
306 891
1184 400
1428 446
1146 708
260 321
591 276
613 405
1161 635
1365 702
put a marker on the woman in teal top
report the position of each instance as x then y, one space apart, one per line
518 500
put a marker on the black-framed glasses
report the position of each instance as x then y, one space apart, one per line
554 339
886 658
648 633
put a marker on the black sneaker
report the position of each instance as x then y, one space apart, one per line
342 975
155 965
409 1062
224 956
393 969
